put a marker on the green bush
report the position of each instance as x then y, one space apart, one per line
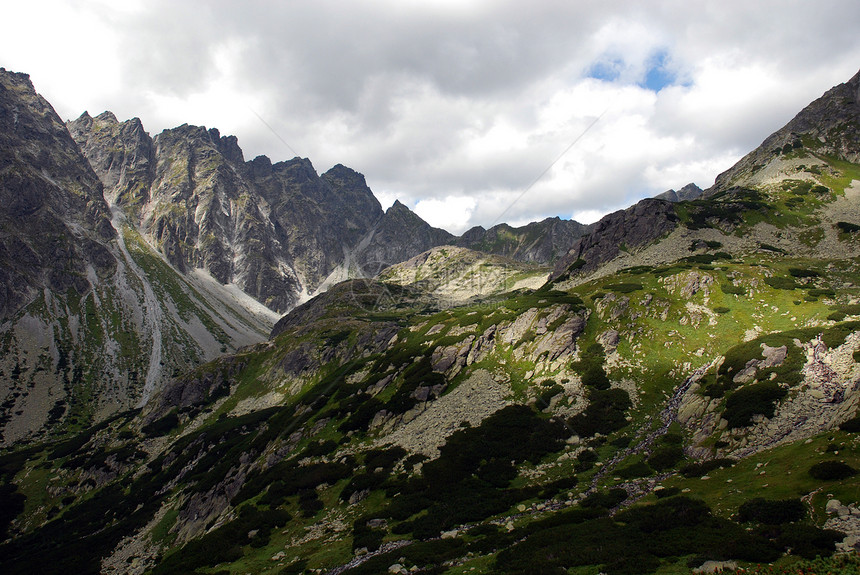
831 471
623 287
665 457
779 282
604 414
847 228
704 467
808 541
732 289
852 425
803 273
755 399
771 512
604 499
639 469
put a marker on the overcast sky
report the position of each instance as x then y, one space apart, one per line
470 113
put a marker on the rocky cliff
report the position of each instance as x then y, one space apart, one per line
55 224
538 242
621 231
92 320
687 193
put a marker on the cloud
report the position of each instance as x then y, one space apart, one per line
460 109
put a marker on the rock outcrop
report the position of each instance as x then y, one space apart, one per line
538 242
627 230
689 192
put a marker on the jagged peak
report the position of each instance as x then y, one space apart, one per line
346 173
397 206
107 116
19 77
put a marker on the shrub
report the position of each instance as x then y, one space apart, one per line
808 541
721 309
705 467
770 248
546 396
667 492
779 282
803 273
624 287
161 426
755 399
732 289
665 515
852 425
639 469
665 457
771 512
605 499
578 264
831 471
847 228
384 458
604 414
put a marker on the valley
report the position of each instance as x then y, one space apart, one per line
671 389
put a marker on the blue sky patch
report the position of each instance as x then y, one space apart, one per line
606 70
658 75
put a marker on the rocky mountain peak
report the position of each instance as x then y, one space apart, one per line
689 192
107 117
55 222
829 126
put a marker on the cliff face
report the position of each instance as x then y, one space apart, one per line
633 228
275 230
92 320
55 224
538 242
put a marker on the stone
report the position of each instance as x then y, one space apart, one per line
716 567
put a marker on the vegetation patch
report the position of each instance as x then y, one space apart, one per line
831 471
771 512
755 399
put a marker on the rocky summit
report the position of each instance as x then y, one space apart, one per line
674 389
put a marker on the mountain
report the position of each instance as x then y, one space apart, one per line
827 128
175 249
538 242
274 230
93 321
454 276
685 194
680 397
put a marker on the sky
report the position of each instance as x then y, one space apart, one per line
469 112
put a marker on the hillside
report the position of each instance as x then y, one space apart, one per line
683 392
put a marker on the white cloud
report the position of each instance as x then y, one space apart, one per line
451 213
